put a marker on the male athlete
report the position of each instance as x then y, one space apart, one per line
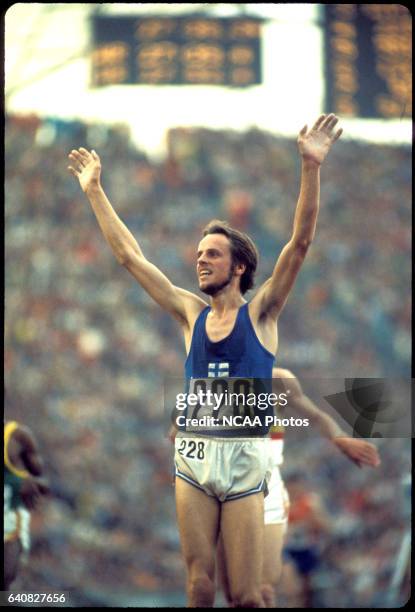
228 338
276 502
23 489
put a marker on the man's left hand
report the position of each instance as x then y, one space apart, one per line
314 144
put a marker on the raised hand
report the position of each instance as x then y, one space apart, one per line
316 143
86 167
359 451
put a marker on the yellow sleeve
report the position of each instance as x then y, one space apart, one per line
9 429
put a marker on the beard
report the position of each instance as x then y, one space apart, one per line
215 288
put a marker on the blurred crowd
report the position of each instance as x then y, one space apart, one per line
87 351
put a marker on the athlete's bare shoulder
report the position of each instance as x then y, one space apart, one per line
265 326
193 304
288 381
282 373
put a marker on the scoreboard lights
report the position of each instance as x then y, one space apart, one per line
368 55
368 59
176 50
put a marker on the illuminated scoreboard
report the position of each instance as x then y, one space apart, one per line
191 50
368 60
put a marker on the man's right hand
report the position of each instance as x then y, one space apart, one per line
359 451
86 168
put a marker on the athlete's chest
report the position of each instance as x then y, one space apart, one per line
219 328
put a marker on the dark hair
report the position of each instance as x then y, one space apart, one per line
243 250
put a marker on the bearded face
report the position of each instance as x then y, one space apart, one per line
215 269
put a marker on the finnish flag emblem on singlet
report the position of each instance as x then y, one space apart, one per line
218 369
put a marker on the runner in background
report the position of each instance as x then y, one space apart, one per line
306 516
24 488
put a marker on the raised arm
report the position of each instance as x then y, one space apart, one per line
183 305
314 145
359 451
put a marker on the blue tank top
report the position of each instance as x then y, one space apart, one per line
238 356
